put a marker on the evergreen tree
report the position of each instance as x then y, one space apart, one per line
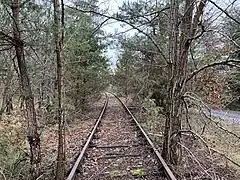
86 67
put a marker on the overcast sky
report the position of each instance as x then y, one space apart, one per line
112 6
113 26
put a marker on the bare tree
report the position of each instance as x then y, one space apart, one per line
58 33
33 136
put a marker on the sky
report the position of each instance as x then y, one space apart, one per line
114 26
111 7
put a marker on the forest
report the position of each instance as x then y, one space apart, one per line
174 63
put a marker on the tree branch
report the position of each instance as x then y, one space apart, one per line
221 154
98 27
225 12
226 62
203 107
126 22
211 149
219 126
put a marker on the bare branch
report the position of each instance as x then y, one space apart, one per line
195 159
225 12
209 148
226 63
99 26
214 150
234 99
126 22
220 127
7 38
3 175
230 39
6 48
203 109
212 21
200 34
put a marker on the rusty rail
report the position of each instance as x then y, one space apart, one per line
168 171
72 174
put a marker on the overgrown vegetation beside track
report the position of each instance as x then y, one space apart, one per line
210 148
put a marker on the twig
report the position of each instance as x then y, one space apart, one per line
230 39
195 159
39 177
225 12
234 99
220 127
3 175
209 117
214 150
98 27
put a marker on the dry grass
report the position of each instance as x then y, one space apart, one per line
223 136
14 161
14 148
207 152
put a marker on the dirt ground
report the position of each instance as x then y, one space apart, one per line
76 132
210 151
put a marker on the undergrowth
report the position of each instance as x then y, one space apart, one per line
234 106
14 161
210 146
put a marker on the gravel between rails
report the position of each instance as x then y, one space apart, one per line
118 152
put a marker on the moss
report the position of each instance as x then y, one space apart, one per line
138 172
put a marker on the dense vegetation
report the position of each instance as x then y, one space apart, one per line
174 57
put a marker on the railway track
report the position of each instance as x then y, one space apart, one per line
119 149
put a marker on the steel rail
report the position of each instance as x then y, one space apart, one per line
168 171
72 174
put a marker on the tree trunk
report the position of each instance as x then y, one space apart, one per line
9 104
172 67
7 99
60 172
33 136
76 100
84 94
178 67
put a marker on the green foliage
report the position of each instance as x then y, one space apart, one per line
153 115
234 106
139 71
138 172
12 161
86 68
145 14
140 68
126 77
